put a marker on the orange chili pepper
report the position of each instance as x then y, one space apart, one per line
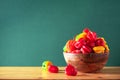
98 49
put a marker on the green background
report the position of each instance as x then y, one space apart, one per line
32 31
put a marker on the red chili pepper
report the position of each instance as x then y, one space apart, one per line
70 70
53 69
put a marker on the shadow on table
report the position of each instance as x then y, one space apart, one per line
103 71
110 71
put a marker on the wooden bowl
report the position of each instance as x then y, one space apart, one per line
92 62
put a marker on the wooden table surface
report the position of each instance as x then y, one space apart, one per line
35 73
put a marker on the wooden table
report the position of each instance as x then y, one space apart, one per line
35 73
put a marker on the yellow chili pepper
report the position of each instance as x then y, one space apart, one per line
104 40
65 49
107 48
46 64
81 35
98 49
